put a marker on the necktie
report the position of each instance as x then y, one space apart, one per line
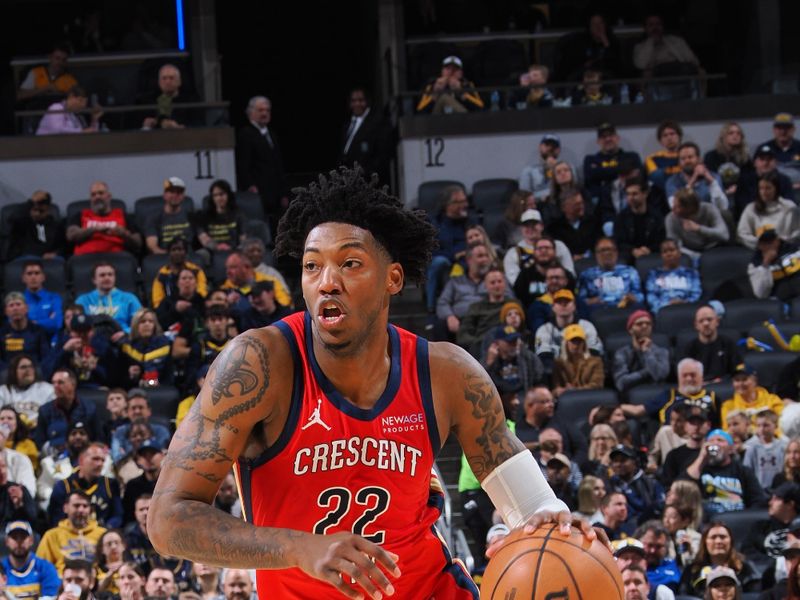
351 132
268 137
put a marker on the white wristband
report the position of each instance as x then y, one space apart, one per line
519 490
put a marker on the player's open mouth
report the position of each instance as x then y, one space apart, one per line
330 314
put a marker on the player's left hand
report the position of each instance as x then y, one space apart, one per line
565 522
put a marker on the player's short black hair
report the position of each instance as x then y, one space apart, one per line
345 196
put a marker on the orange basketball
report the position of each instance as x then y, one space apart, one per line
546 565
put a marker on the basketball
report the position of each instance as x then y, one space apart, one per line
546 565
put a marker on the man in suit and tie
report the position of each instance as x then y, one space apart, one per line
259 165
366 137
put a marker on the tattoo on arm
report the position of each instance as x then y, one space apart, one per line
496 443
240 377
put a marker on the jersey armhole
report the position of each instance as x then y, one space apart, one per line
426 393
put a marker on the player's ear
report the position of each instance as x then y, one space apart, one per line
394 278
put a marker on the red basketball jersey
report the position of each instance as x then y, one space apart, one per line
100 241
336 467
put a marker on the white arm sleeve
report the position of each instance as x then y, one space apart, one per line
519 490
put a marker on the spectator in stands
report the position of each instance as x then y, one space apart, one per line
659 49
481 316
644 493
695 176
641 361
103 492
107 299
764 162
722 583
614 508
264 310
614 200
769 208
788 386
764 451
639 227
131 581
207 345
683 542
791 464
578 230
531 281
37 231
146 353
238 584
662 164
537 178
717 549
533 92
609 284
596 48
508 232
557 470
738 424
591 91
563 178
182 311
255 251
207 579
786 147
227 498
117 412
767 537
731 147
718 353
27 574
510 363
75 536
366 137
110 556
242 276
221 225
66 408
52 79
259 163
775 268
696 226
19 335
672 283
634 582
23 390
450 92
661 569
576 368
550 335
87 352
601 169
726 483
685 494
148 457
138 408
20 452
464 290
174 220
537 415
165 284
160 584
522 255
64 117
16 502
590 492
748 396
602 439
44 306
136 538
556 278
101 228
168 97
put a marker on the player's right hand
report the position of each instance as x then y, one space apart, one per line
342 558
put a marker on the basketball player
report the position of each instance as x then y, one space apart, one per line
332 419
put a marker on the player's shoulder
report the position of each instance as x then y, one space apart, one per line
451 364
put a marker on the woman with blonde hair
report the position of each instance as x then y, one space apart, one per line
575 368
590 492
684 494
477 234
791 464
601 440
731 147
147 352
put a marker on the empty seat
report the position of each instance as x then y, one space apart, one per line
151 264
218 274
75 207
641 394
97 397
722 389
675 317
80 270
796 308
164 400
648 262
743 314
429 195
55 275
768 365
493 194
610 320
574 406
721 265
584 263
741 522
258 229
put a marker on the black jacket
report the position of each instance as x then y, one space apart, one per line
260 163
632 231
371 146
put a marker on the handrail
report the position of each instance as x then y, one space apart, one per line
122 109
548 35
78 59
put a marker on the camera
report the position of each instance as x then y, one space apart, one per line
714 451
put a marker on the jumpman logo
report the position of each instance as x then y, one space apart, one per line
315 419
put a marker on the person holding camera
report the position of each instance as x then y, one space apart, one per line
726 484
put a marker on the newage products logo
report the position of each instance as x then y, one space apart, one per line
403 423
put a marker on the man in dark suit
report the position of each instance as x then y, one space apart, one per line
366 137
259 164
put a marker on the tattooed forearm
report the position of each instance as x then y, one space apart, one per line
495 442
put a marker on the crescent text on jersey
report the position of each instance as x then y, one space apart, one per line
384 455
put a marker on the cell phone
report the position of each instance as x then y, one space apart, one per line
73 588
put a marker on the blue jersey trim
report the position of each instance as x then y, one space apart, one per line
336 398
461 578
424 377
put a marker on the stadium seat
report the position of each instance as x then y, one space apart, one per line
721 265
164 400
144 207
218 274
584 263
80 270
684 336
151 264
7 213
618 339
642 393
741 522
97 397
493 194
795 308
249 203
610 320
743 314
675 317
76 206
55 276
429 195
722 389
768 365
644 264
574 405
258 229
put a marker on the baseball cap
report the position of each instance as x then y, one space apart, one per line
721 573
636 315
574 331
81 322
605 128
766 233
506 333
174 182
720 433
260 287
743 369
148 445
561 459
453 60
788 491
551 138
19 526
783 119
77 425
137 393
620 546
530 215
764 151
564 294
624 450
692 412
